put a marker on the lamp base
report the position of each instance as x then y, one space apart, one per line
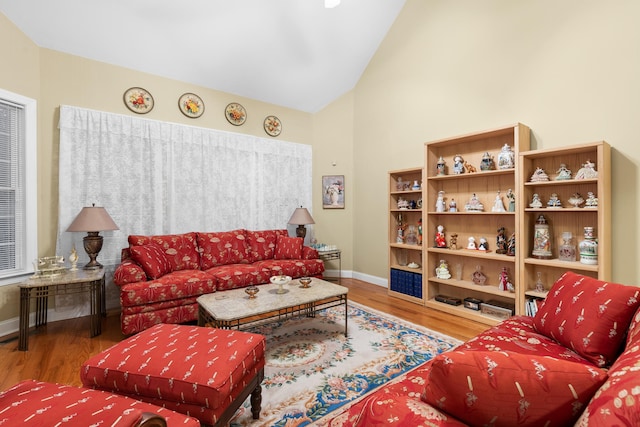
301 231
92 246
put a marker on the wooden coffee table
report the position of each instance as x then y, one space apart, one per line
234 309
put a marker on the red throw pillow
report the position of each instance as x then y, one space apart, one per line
288 247
499 388
588 315
152 259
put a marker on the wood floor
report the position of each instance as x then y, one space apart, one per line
57 350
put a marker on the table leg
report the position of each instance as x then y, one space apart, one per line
42 305
96 308
346 316
23 342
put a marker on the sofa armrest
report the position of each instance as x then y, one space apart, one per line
129 272
309 253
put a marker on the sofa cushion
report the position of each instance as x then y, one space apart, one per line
175 285
222 248
152 259
180 249
288 247
262 244
128 272
293 267
239 275
509 389
588 315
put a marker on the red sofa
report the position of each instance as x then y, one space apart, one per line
160 277
577 361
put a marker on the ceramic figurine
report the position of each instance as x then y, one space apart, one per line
498 206
478 277
420 231
469 167
535 203
471 243
554 201
484 245
440 206
511 245
501 242
441 241
504 284
458 164
73 258
474 204
486 164
512 200
506 158
442 271
453 241
587 171
415 186
563 173
576 200
592 201
539 175
453 206
441 167
402 203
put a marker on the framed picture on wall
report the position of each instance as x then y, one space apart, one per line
333 191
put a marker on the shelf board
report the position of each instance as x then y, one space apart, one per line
473 253
536 294
465 284
405 210
561 182
569 265
406 192
471 213
405 246
546 210
474 175
466 313
404 296
405 268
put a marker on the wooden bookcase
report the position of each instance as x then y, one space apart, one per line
567 218
405 257
485 185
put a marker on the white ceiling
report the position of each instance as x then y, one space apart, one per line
293 53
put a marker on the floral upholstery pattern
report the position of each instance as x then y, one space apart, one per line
588 315
293 267
195 367
134 323
501 388
33 403
239 275
176 285
288 247
180 249
129 272
263 243
223 248
152 259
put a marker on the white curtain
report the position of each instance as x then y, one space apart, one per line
157 178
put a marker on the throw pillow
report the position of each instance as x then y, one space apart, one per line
501 388
588 315
223 248
152 259
288 247
263 243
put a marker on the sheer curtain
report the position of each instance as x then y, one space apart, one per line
156 177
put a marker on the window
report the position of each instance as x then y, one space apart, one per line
18 209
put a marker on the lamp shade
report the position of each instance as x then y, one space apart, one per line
93 218
301 216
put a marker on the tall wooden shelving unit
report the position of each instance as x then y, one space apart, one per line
404 281
565 219
485 184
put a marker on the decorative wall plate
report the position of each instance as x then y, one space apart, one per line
272 125
138 100
235 114
191 105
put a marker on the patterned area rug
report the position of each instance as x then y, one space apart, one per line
313 370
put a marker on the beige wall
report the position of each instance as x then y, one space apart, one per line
569 70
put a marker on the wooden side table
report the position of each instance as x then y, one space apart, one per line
330 256
69 282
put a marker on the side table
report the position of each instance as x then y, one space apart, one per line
330 256
69 282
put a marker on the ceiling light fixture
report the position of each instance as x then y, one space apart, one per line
330 4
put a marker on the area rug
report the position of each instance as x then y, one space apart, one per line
312 369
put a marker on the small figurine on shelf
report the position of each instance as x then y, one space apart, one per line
511 245
420 231
592 201
554 202
469 167
587 171
576 200
458 164
471 243
73 258
498 206
539 175
478 277
484 245
474 204
402 203
563 173
441 241
441 168
501 242
541 239
415 186
399 184
504 284
536 203
486 164
453 241
539 283
440 206
506 158
511 200
442 271
401 225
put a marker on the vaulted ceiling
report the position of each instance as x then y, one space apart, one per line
293 53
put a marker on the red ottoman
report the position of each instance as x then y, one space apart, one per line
38 404
206 373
